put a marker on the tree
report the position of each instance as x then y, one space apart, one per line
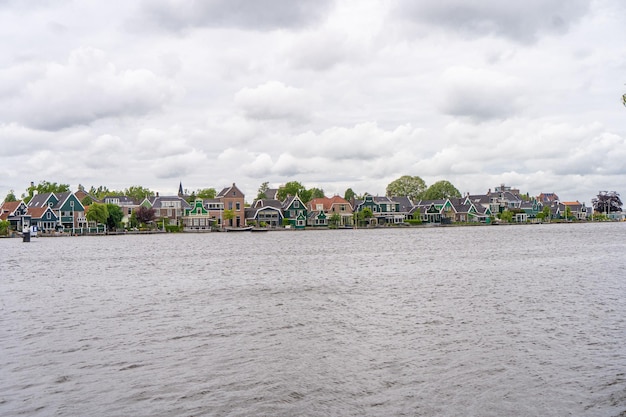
407 186
334 220
228 215
207 193
568 212
138 193
441 190
262 189
144 214
10 197
367 214
316 193
506 216
103 191
44 187
4 227
87 201
607 202
114 219
349 194
98 213
293 188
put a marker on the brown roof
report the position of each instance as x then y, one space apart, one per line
37 212
8 208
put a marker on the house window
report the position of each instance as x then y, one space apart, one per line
71 204
48 215
230 205
238 205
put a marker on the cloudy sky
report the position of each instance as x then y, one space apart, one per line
334 94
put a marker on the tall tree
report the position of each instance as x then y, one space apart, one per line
349 194
407 186
294 188
10 197
138 193
262 189
316 193
441 190
103 191
207 193
44 187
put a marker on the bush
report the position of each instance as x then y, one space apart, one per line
173 228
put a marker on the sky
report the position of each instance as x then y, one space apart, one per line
333 94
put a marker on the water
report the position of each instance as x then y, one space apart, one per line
473 321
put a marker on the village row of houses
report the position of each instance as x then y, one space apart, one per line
65 211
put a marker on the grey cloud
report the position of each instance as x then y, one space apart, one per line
255 15
479 94
520 21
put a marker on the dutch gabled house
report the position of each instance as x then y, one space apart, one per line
234 200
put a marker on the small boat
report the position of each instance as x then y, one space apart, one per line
238 229
259 229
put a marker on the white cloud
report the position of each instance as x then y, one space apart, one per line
87 88
275 100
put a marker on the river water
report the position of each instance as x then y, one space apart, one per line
447 321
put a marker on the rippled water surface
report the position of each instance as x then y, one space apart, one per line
478 321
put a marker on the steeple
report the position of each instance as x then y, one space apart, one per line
180 189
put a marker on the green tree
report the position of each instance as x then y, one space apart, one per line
44 187
138 193
103 191
316 193
228 215
367 214
334 220
568 212
10 197
407 186
441 190
98 213
4 227
87 201
349 194
206 193
294 188
114 219
262 189
506 216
